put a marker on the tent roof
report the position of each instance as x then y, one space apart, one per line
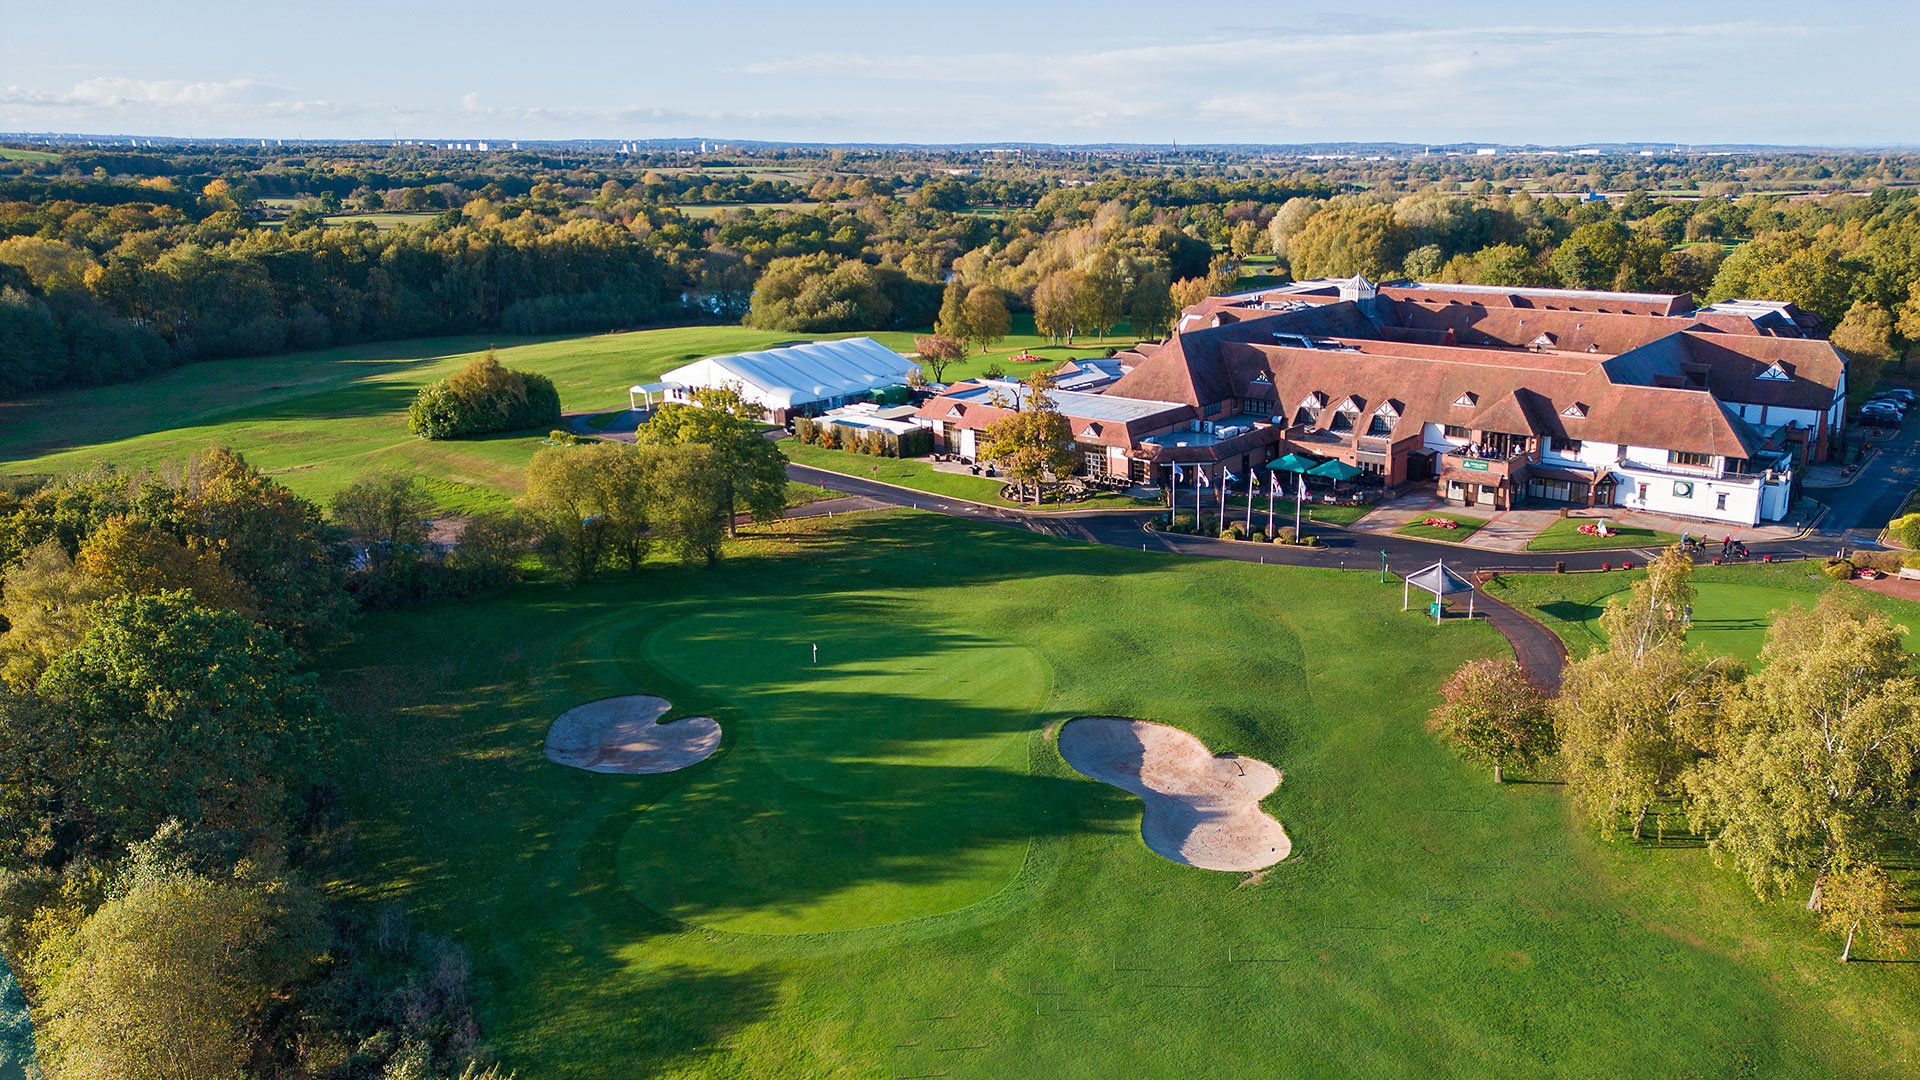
1292 463
799 374
1439 581
1338 470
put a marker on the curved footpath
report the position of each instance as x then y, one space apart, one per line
1539 651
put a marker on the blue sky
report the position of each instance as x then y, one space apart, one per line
1761 71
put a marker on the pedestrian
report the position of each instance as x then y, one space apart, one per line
1726 546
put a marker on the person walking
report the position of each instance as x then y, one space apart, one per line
1726 546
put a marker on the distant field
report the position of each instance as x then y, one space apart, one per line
318 419
14 153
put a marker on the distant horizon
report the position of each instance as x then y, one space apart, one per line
1755 73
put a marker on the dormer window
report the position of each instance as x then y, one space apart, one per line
1544 341
1091 431
954 413
1381 425
1777 373
1467 400
1575 411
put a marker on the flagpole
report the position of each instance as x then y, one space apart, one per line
1270 507
1221 521
1299 490
1249 500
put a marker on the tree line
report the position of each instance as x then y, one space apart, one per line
1798 774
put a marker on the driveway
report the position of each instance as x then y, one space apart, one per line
1856 513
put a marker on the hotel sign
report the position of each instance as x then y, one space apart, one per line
1475 466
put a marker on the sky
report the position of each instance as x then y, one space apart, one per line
1702 71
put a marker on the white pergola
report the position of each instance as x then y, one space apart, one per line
649 391
1442 583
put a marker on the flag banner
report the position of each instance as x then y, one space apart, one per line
1227 477
1178 475
1204 482
1301 493
1273 483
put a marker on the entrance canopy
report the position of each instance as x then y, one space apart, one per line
1293 463
1335 470
1439 581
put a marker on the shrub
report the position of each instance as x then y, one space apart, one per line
1259 536
1886 562
1283 535
873 443
483 398
1310 541
1838 569
1911 560
1905 531
804 429
1182 523
827 440
1233 532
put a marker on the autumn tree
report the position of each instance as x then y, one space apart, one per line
1860 900
48 606
936 353
1100 295
987 320
1866 336
1054 310
1032 441
1818 745
952 322
130 556
687 493
1150 309
1494 716
385 512
753 471
588 505
1655 610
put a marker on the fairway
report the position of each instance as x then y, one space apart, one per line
315 421
888 870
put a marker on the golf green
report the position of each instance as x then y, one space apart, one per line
1729 618
904 746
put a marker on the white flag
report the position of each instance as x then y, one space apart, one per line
1301 492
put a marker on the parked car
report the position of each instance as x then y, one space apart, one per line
1874 414
1905 395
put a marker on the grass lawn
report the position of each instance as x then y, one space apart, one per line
1565 535
316 420
15 153
887 870
1464 527
1317 513
1730 617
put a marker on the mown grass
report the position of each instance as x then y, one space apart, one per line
920 475
1464 527
1565 535
316 420
1731 616
887 869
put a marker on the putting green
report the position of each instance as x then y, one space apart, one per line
886 782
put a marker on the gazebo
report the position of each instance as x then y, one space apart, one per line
1442 583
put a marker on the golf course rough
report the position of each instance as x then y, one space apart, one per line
626 735
1200 809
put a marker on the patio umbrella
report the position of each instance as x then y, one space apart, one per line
1293 463
1335 470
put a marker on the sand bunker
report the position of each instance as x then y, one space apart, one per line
1200 810
624 735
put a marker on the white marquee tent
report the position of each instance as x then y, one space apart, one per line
820 373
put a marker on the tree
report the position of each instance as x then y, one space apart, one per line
1861 900
130 556
1033 440
1591 256
1819 743
1631 725
753 471
1656 610
1287 223
1345 238
48 606
385 512
936 353
1150 309
952 321
1494 715
589 505
820 293
1100 295
987 318
687 488
1866 336
1053 305
482 398
272 540
1909 322
170 710
172 976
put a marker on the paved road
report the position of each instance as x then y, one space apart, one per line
1856 513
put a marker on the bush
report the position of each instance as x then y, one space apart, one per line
1233 532
1838 569
1886 562
483 398
1905 531
873 443
1259 537
827 440
1283 535
1310 541
1911 560
804 429
1182 523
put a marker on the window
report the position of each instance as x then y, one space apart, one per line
1565 446
1456 431
1720 501
1342 421
1257 406
1689 459
1380 428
